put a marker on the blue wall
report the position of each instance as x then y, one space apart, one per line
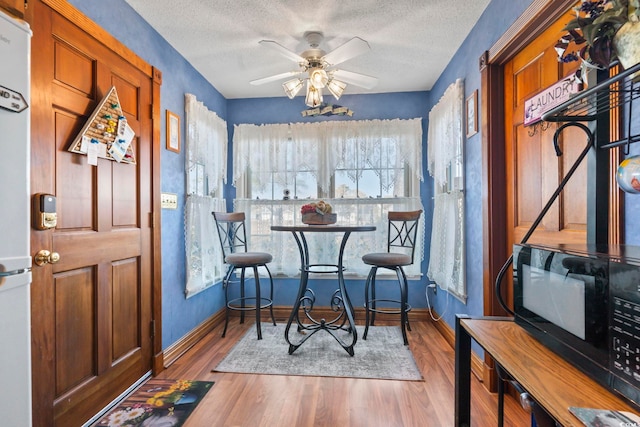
407 105
181 315
495 20
179 77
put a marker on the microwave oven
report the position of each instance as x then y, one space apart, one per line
583 302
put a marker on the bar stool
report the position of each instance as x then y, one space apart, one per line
233 239
401 236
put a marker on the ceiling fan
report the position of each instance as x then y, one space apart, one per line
318 68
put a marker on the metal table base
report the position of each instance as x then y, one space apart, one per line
301 314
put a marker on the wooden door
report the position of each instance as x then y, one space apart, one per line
92 310
533 169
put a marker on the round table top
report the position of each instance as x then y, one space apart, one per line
323 228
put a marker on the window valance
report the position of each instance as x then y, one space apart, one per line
324 147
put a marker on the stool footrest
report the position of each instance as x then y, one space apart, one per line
387 310
234 304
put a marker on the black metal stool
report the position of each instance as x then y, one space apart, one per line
233 238
402 232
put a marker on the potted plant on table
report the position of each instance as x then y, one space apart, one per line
602 32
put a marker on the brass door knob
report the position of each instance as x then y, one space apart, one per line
46 257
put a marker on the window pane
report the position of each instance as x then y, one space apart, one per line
306 186
369 184
261 185
278 191
345 187
398 187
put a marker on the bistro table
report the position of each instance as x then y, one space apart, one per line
340 302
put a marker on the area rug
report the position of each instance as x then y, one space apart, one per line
381 356
158 403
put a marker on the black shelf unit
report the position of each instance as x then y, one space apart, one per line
593 106
595 102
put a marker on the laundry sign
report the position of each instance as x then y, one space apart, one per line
12 100
549 98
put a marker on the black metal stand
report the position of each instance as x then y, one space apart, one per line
463 374
552 199
340 303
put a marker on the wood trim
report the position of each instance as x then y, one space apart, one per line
156 120
177 349
535 19
494 187
478 367
14 8
281 313
65 9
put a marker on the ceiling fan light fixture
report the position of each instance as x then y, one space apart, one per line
318 78
314 96
336 87
292 87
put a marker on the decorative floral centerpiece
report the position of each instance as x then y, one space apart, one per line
602 31
318 213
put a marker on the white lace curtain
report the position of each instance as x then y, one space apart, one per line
324 246
324 147
206 155
206 170
445 154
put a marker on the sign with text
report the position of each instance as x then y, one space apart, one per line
549 98
12 100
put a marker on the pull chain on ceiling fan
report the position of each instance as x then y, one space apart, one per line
317 68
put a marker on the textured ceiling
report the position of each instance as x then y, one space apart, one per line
411 40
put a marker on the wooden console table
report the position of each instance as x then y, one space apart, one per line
549 379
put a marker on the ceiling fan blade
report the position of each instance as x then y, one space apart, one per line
354 47
282 50
360 80
274 78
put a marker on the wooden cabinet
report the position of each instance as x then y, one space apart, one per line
14 7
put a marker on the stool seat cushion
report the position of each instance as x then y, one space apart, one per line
247 259
386 259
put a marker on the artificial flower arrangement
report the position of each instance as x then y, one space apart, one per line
598 32
318 213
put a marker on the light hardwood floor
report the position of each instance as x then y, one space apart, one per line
272 400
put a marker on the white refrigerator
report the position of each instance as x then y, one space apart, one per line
15 259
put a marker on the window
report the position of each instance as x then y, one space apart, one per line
206 169
363 168
357 180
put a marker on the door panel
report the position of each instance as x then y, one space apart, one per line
73 69
125 312
534 171
91 311
75 182
75 337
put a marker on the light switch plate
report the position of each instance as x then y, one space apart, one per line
169 201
